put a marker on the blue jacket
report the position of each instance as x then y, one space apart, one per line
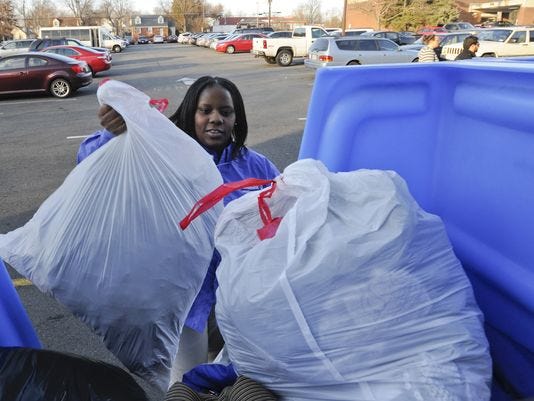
248 164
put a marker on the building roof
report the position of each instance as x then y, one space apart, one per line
151 20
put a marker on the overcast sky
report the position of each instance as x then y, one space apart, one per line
249 7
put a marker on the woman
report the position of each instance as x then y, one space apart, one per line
213 113
427 54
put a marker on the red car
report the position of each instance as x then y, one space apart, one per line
40 72
241 43
97 61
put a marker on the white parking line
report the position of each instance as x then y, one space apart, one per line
77 137
186 81
301 118
39 101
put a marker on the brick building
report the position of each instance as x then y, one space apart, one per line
150 25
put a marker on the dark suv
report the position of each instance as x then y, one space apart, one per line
40 44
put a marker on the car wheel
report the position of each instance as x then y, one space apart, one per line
270 60
116 49
488 55
415 60
353 62
230 49
60 88
284 58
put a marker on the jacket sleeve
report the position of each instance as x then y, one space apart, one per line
92 143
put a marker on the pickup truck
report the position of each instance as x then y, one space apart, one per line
498 42
282 51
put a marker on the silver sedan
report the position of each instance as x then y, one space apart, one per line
356 51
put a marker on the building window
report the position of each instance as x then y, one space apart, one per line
160 20
137 20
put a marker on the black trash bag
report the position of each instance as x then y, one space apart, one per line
28 374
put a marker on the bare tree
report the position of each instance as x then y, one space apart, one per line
117 12
7 19
187 14
309 11
81 9
164 7
42 13
332 18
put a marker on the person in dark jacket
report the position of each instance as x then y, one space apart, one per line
212 112
470 48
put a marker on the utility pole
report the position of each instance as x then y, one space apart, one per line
270 1
344 21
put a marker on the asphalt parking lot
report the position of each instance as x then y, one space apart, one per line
39 137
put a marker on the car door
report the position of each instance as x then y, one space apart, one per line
368 52
517 44
39 67
391 52
13 75
240 42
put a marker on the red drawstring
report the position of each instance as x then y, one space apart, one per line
270 225
211 199
160 104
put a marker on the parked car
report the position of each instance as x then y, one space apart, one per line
183 37
357 31
430 30
158 39
240 43
280 34
129 39
43 72
448 38
217 39
334 31
142 40
459 26
171 39
265 30
498 42
496 24
96 61
204 39
357 50
15 46
193 38
214 39
396 37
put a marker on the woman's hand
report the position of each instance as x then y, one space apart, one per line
111 120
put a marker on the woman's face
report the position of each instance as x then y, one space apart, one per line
435 42
215 118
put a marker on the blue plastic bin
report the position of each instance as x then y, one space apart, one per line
462 136
15 327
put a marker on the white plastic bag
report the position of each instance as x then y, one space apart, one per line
107 244
358 296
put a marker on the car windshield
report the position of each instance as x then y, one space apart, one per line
494 35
